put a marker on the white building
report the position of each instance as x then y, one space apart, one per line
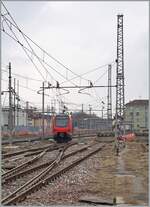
20 118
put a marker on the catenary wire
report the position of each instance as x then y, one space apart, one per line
56 60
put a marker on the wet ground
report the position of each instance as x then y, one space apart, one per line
124 177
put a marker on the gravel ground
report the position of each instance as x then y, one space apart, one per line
24 145
20 159
12 185
136 165
103 175
28 145
68 188
124 177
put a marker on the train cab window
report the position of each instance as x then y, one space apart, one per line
61 121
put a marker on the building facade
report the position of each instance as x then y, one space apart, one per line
20 118
24 123
86 121
137 113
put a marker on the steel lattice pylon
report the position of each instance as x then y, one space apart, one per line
120 99
109 96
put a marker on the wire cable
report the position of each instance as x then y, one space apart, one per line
32 52
90 71
45 52
24 77
25 48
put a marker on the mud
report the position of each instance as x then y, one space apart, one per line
124 177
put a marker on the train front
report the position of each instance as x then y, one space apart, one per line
62 128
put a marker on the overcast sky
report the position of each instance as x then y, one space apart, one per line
82 35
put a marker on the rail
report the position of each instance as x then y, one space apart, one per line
37 183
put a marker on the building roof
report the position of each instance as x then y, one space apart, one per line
139 102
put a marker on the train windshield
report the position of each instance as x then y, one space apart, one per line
61 121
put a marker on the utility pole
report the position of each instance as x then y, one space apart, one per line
109 96
102 112
10 120
0 102
27 111
102 109
52 107
17 102
48 116
14 102
90 109
43 111
59 105
82 108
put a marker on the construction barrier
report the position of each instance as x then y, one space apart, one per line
129 137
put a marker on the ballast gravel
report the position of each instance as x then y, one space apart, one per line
11 186
68 188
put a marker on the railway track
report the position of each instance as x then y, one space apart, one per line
42 179
39 154
16 175
42 174
37 149
32 151
23 165
22 140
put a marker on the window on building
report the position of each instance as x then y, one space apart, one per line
131 113
138 125
137 113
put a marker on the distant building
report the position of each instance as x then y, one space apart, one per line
137 112
20 118
36 120
25 121
82 120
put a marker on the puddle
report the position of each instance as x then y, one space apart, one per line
137 185
137 188
141 197
120 169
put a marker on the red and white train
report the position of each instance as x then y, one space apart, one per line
62 128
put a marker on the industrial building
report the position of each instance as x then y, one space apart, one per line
136 112
19 119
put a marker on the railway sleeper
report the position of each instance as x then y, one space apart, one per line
20 174
50 178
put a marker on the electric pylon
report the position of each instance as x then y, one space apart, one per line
120 99
109 96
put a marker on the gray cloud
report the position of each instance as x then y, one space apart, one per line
83 35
